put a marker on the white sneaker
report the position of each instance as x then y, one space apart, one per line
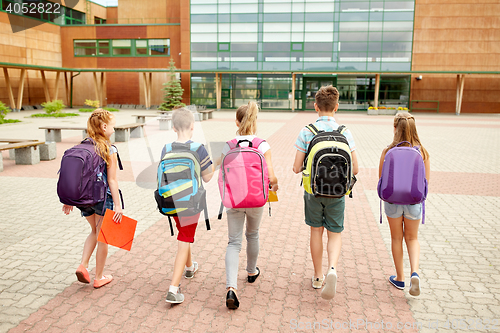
330 288
317 282
190 274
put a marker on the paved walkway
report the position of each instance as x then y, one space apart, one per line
40 247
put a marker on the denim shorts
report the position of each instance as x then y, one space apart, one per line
410 212
97 208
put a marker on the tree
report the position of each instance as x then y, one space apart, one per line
173 91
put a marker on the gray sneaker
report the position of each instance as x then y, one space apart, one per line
175 298
190 274
330 288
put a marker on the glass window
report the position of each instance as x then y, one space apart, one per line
318 17
326 47
297 47
313 26
407 5
276 46
203 27
223 46
203 9
397 36
243 37
318 37
276 37
277 27
352 6
355 26
85 43
277 8
241 18
354 16
246 8
398 16
244 47
278 17
204 18
244 27
353 36
103 47
319 7
203 47
159 47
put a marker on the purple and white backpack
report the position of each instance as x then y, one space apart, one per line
403 179
81 176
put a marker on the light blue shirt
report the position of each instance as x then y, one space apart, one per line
326 124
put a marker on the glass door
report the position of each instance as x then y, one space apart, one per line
310 88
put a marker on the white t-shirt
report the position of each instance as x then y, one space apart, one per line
263 147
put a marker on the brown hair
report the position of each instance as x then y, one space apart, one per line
247 116
406 130
95 132
327 98
182 119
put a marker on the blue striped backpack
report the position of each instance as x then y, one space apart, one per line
180 189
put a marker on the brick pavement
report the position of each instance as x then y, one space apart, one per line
40 247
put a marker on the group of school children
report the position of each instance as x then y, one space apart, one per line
321 212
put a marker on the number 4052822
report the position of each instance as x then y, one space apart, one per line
33 8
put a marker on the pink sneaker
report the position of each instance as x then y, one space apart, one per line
105 280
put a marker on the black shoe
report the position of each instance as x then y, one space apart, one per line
231 300
252 278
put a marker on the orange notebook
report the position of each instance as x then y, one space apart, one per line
273 196
117 234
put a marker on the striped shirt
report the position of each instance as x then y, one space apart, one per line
326 124
205 160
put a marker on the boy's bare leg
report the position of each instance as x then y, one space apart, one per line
333 248
183 252
397 234
189 261
316 244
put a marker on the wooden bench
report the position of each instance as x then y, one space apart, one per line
53 133
26 152
207 114
124 132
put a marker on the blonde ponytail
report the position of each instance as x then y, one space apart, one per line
247 117
95 132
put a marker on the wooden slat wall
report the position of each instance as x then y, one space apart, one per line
451 36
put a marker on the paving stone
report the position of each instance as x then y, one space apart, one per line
458 265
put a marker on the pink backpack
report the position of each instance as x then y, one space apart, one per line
243 178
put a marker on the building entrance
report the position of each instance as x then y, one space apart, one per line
310 88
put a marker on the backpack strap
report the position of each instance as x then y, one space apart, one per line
423 212
341 129
194 146
256 142
313 129
232 143
120 165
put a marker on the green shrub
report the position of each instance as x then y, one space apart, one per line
86 110
111 109
56 115
94 104
4 109
54 106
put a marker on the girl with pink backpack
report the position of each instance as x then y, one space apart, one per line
245 176
404 219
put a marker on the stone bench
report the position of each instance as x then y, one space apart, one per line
53 133
26 152
207 114
141 118
124 132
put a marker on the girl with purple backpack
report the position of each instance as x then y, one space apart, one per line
246 121
100 127
404 220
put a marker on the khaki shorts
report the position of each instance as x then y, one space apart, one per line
324 212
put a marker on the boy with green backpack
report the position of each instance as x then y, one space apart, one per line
327 158
184 165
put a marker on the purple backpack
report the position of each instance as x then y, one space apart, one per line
81 176
403 179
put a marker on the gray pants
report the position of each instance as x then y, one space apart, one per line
235 221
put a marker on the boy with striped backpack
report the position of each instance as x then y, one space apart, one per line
327 159
183 168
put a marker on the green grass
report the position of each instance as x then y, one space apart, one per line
7 121
91 110
54 115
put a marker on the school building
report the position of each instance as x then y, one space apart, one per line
427 55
